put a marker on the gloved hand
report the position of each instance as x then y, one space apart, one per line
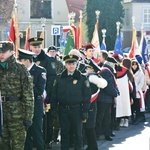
27 124
84 117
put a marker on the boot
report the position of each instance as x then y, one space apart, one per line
121 123
126 123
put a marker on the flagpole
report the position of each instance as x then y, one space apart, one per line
81 18
104 34
118 27
43 20
16 27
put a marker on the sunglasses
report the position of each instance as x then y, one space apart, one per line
134 64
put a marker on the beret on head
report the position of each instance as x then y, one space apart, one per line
117 58
88 46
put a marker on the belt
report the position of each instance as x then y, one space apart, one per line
69 106
5 99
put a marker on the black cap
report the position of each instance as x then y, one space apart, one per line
6 45
91 64
52 47
25 54
35 41
112 60
70 58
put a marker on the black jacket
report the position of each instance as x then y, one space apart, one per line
71 90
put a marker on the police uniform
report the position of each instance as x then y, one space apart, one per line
16 86
49 64
72 96
35 131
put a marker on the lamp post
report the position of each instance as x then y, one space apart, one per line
104 34
97 12
43 20
118 27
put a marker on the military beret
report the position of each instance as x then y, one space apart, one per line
35 41
25 54
88 46
91 64
6 45
112 60
70 58
52 47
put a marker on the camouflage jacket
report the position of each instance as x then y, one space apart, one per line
16 86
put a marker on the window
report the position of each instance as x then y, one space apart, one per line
22 38
147 15
127 17
40 8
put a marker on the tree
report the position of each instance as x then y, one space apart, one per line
111 11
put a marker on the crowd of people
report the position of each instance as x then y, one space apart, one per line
77 96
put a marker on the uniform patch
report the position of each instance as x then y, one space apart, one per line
54 82
75 81
44 75
87 83
38 62
53 65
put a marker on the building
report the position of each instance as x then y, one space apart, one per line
140 9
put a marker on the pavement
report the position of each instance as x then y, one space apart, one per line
134 137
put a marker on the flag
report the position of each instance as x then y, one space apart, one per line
118 47
103 46
14 32
12 35
28 34
42 35
95 41
1 115
70 43
144 50
134 46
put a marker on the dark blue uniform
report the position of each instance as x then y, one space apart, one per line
35 131
49 64
72 96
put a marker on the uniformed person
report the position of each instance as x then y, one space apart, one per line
35 131
71 93
48 63
96 82
16 86
51 52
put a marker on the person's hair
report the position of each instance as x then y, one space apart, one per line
135 62
104 54
127 63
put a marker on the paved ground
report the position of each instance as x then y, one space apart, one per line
135 137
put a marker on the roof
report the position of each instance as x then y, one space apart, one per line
76 6
141 1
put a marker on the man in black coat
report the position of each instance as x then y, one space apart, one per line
71 94
48 63
35 131
105 99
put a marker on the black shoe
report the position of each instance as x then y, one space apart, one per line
56 140
113 134
135 122
108 138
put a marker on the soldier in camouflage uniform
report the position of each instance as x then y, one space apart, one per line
16 86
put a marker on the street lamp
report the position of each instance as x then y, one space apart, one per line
43 20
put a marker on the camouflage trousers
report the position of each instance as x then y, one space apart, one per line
13 137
